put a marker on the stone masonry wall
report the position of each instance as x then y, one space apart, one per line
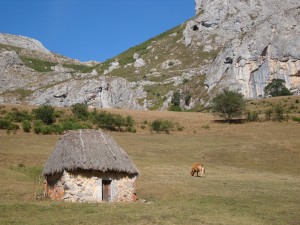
87 187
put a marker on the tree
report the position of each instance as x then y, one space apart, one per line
228 104
45 113
277 88
175 101
80 110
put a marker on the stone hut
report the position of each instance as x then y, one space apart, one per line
89 166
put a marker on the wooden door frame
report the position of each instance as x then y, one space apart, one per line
106 193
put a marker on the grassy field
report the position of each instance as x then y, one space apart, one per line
252 175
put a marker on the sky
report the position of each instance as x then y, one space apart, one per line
92 29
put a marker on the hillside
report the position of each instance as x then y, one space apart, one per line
226 45
252 175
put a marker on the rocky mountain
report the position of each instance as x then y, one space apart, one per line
257 41
240 45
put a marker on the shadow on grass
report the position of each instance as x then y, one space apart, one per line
232 121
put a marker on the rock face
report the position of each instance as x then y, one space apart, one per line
23 42
258 41
100 92
59 85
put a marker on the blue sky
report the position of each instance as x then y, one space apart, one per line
92 29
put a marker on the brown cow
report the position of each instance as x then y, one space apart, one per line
196 168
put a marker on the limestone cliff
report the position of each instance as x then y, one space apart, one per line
23 42
258 41
31 74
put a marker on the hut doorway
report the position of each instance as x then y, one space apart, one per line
106 190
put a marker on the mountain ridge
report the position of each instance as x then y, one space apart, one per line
241 46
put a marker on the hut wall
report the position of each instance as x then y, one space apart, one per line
86 186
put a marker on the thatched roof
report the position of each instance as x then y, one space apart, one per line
88 150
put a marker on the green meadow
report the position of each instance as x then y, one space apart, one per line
252 175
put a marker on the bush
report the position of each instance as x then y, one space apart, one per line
4 124
228 104
206 126
175 108
268 114
38 126
57 129
187 99
131 129
175 101
129 121
19 116
162 126
278 113
46 130
8 125
58 114
252 116
297 119
26 126
70 124
80 111
45 113
113 122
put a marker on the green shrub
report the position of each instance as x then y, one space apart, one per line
46 130
268 114
175 101
129 121
131 129
58 114
26 126
71 124
38 126
297 119
37 130
206 127
113 122
162 126
278 113
57 128
80 111
45 113
4 124
19 116
105 120
175 108
8 125
252 116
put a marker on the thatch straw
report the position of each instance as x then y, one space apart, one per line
88 150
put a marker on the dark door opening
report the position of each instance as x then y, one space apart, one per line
106 190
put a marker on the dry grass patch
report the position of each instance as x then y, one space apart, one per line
291 104
252 175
